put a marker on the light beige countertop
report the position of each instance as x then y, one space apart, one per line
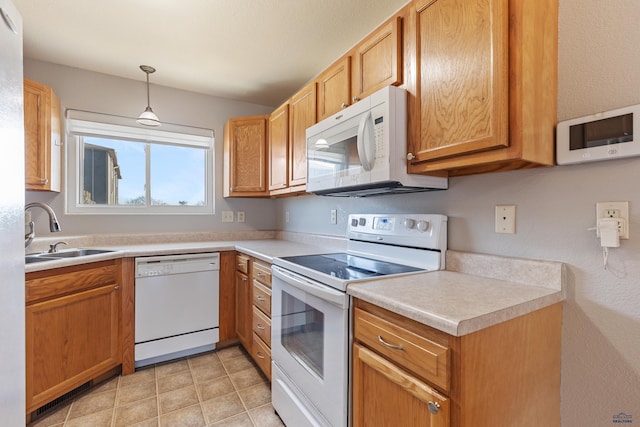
458 302
265 250
475 292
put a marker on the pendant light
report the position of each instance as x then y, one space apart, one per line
148 117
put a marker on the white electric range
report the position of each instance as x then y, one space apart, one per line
310 338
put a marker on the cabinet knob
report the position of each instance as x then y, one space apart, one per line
434 407
344 105
44 180
355 99
410 156
117 288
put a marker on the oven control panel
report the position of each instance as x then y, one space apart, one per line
417 230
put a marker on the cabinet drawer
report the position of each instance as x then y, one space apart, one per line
262 326
422 356
261 355
262 273
262 297
45 284
242 263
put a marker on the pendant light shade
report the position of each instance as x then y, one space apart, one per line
148 117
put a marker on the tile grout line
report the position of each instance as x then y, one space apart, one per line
235 387
115 401
195 385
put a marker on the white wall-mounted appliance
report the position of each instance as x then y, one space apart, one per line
362 150
602 136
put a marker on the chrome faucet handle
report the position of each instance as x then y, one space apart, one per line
28 238
54 248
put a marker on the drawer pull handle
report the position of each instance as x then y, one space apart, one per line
261 274
260 355
393 346
260 298
241 264
434 407
260 326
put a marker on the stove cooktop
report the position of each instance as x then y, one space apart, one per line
349 267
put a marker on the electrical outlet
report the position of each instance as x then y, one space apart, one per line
227 216
617 210
334 216
240 216
506 219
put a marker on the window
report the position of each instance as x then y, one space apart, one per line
117 166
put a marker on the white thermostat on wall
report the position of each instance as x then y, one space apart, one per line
602 136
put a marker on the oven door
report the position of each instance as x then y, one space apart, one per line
309 347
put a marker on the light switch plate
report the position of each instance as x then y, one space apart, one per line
506 219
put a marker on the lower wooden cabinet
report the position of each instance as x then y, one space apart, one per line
386 395
253 309
73 329
243 302
408 374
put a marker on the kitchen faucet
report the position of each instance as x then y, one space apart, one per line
54 226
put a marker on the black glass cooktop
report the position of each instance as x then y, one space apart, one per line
349 267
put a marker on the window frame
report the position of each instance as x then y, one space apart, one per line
84 123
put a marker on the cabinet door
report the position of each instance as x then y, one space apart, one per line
302 114
244 313
278 148
462 77
334 88
36 139
227 295
377 60
245 158
386 395
71 340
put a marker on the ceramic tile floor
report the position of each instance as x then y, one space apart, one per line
219 388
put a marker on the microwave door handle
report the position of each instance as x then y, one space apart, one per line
366 146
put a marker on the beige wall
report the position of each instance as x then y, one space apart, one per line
86 90
599 69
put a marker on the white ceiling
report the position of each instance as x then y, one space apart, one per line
259 51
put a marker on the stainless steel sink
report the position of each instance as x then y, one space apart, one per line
73 253
67 253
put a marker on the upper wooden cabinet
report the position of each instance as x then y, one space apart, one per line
372 64
334 88
486 85
42 137
278 148
302 114
377 60
245 157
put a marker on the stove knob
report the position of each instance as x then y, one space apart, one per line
423 225
409 223
354 222
363 221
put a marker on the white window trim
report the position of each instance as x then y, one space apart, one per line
86 123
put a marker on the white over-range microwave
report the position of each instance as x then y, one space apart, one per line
362 150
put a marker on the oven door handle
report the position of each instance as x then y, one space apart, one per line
319 290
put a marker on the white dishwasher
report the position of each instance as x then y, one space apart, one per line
176 306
